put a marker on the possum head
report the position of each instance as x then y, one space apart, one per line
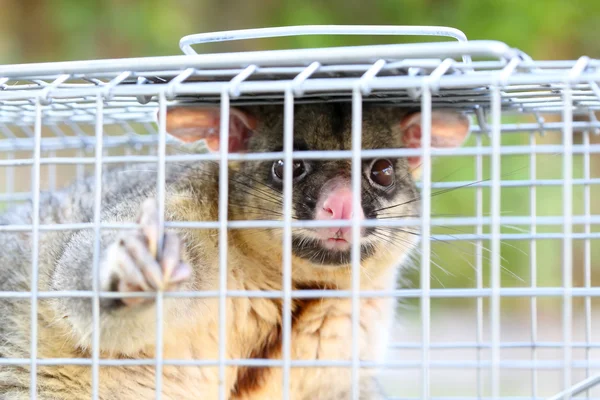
322 189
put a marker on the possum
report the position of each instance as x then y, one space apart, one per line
130 261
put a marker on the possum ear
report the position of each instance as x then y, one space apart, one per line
448 129
191 123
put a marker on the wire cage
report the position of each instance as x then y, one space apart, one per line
501 303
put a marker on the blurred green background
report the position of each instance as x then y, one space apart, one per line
57 30
51 30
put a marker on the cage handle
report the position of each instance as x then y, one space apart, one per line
186 42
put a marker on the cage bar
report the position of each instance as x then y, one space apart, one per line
426 115
355 256
96 260
288 146
74 116
35 239
223 240
160 194
587 256
533 264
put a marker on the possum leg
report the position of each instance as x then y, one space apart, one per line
129 263
132 263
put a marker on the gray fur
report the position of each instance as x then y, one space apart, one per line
65 257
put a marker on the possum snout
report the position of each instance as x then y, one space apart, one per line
335 203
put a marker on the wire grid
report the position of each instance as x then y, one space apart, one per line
58 120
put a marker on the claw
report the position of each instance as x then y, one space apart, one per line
181 273
135 258
171 254
149 221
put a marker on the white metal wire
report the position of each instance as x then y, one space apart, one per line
533 263
426 115
355 256
35 237
587 255
288 147
160 193
223 240
187 41
74 107
96 260
479 262
495 243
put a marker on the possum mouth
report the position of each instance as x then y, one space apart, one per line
322 253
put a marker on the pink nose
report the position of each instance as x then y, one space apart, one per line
338 206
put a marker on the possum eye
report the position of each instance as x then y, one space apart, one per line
278 168
382 172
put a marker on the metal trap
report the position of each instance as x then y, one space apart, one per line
482 317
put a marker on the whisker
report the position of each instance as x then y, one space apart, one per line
393 243
504 268
248 206
238 172
265 193
443 191
259 197
398 216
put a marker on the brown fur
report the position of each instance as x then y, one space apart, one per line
321 328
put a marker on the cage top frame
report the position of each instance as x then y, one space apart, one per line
459 73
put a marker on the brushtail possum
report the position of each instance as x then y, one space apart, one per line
189 260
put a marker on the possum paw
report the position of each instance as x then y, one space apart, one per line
133 265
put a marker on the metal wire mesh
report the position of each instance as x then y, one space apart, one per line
534 133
